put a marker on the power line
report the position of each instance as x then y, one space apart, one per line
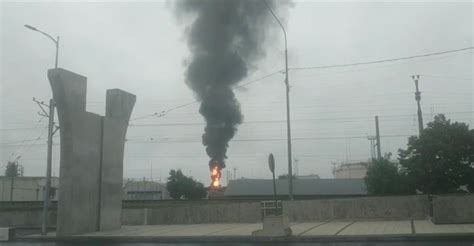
23 128
204 155
445 77
20 142
384 118
382 61
20 146
259 79
168 140
165 112
35 140
295 120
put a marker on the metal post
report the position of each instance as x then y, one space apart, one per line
274 186
12 183
372 146
275 194
50 137
377 132
288 128
57 51
418 98
48 168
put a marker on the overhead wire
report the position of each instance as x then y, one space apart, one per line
164 112
169 140
298 120
383 60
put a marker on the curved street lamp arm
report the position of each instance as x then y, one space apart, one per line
276 18
49 36
45 34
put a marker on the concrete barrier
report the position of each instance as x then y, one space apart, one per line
389 207
25 218
133 216
231 211
6 234
195 212
453 209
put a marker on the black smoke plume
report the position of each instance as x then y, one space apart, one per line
226 38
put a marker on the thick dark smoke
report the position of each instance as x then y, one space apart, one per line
226 38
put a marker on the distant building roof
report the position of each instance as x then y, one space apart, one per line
310 176
28 178
132 185
144 190
301 187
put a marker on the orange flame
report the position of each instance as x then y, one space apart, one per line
215 177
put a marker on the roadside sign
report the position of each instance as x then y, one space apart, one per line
271 163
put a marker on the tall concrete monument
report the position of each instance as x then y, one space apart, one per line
92 147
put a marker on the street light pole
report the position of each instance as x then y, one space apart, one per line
50 141
56 41
288 127
57 51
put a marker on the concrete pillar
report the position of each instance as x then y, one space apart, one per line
119 106
91 163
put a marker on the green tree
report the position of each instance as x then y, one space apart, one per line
12 169
441 159
179 186
384 178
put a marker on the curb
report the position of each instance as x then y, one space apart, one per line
236 239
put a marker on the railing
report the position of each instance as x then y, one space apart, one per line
271 208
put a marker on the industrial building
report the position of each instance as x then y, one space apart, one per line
26 188
144 190
357 170
302 188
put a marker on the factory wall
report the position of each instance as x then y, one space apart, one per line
453 209
447 209
387 207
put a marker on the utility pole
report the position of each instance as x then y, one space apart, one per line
235 173
49 155
51 132
12 183
48 167
288 127
372 146
377 137
418 98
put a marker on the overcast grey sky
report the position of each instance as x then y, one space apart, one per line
140 48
